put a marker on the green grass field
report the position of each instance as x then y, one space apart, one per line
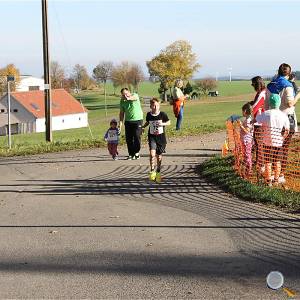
204 115
225 88
197 115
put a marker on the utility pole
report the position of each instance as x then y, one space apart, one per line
46 60
9 79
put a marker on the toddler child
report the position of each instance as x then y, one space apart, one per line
246 134
112 138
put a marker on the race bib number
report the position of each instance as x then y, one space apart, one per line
155 127
112 136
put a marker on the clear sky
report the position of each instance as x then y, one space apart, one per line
252 37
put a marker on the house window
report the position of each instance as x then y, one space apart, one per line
35 106
34 88
2 110
79 119
63 120
15 110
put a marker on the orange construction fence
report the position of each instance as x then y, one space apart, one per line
265 156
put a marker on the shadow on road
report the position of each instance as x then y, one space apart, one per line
228 267
260 233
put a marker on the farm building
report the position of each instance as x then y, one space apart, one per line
28 112
30 83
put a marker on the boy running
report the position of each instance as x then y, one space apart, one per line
157 141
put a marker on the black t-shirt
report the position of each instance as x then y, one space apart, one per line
154 129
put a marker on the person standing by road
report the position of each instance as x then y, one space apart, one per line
284 88
131 111
258 107
259 101
178 102
275 125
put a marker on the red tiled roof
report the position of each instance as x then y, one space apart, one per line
62 103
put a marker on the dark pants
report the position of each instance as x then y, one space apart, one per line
179 118
112 149
286 143
133 132
257 139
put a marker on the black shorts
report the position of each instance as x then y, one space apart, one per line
155 143
272 154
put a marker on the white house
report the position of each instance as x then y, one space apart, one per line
28 112
30 83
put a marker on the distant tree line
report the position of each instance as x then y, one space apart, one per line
176 61
126 74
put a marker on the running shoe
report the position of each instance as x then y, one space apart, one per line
129 157
152 175
158 177
137 156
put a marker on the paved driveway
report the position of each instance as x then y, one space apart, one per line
79 225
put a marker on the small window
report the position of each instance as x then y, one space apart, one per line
15 110
2 110
35 106
33 88
63 120
79 119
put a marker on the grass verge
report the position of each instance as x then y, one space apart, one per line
219 170
44 147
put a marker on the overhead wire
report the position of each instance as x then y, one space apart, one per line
68 57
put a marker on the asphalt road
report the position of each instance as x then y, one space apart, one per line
80 225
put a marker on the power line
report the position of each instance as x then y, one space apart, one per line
68 56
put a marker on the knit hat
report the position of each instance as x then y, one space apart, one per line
275 101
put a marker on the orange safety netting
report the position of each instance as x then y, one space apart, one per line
271 157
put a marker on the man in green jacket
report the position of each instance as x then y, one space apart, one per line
131 110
